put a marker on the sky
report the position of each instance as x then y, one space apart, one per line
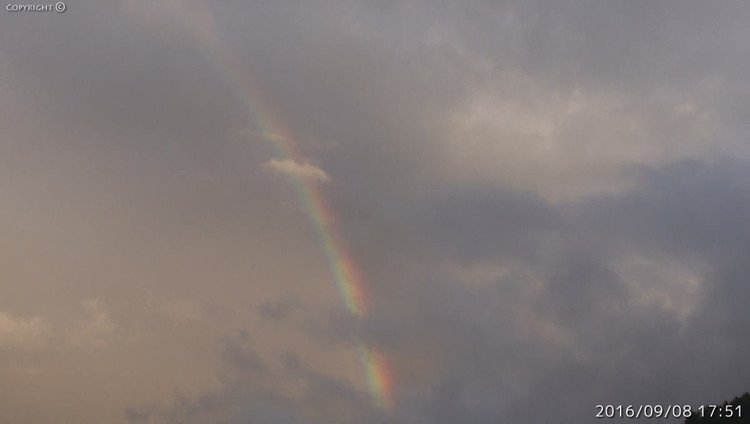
372 212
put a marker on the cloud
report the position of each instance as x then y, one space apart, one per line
549 140
280 309
22 332
95 330
294 169
547 201
285 390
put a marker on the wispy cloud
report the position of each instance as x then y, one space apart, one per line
292 168
21 332
95 330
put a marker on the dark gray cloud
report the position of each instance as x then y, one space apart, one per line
561 332
279 310
548 201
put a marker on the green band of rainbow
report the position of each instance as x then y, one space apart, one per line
349 280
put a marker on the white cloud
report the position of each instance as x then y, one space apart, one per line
672 285
564 145
21 332
295 169
95 330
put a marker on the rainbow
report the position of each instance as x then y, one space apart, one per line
350 282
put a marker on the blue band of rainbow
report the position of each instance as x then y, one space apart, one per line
350 282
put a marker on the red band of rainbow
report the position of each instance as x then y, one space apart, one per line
350 282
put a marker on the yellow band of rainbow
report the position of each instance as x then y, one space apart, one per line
349 280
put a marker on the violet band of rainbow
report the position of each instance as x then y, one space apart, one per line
350 282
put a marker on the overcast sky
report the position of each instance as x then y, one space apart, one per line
549 202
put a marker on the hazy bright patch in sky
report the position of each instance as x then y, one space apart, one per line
372 212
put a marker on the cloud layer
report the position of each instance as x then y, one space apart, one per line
547 200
